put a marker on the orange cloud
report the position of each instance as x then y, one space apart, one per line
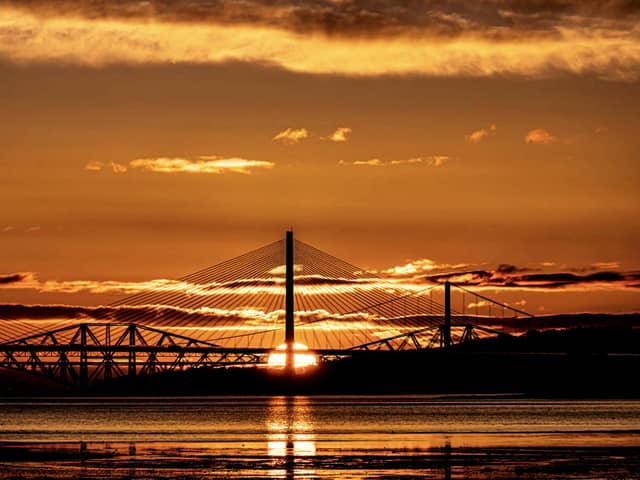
282 269
431 161
205 164
98 166
606 265
478 304
309 284
291 135
420 266
478 135
539 135
451 45
340 135
374 162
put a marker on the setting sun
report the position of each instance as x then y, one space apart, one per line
301 358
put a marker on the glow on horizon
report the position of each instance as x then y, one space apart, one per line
301 358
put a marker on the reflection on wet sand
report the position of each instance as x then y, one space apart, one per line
169 462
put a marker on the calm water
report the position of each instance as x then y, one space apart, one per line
320 437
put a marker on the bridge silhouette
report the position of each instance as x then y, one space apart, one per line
237 312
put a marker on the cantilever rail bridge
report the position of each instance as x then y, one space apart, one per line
236 312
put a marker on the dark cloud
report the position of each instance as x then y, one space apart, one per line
496 19
242 283
509 269
100 313
319 280
473 277
512 276
199 323
11 278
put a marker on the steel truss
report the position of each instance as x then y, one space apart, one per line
84 353
428 337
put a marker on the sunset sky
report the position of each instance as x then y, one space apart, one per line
495 140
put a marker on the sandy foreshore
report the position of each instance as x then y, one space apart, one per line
193 461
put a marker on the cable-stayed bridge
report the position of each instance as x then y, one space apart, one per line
287 295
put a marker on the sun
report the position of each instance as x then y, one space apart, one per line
302 357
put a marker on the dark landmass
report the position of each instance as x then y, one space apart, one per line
566 321
582 362
608 339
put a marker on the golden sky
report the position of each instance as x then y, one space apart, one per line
144 140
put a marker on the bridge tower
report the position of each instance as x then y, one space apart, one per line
289 303
446 328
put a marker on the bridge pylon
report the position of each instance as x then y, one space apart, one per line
289 303
446 327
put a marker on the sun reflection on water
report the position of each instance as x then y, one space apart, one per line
290 437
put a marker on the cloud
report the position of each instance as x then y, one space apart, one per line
509 269
477 135
145 314
374 162
203 323
118 168
518 279
539 135
8 228
361 19
15 278
33 228
313 285
96 166
433 38
224 326
606 265
294 135
340 135
478 304
291 135
547 276
411 276
431 161
205 164
419 266
282 269
29 280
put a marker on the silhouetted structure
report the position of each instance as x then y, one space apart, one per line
337 309
289 304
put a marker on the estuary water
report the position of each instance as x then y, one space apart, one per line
319 437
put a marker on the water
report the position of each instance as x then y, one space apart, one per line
320 437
